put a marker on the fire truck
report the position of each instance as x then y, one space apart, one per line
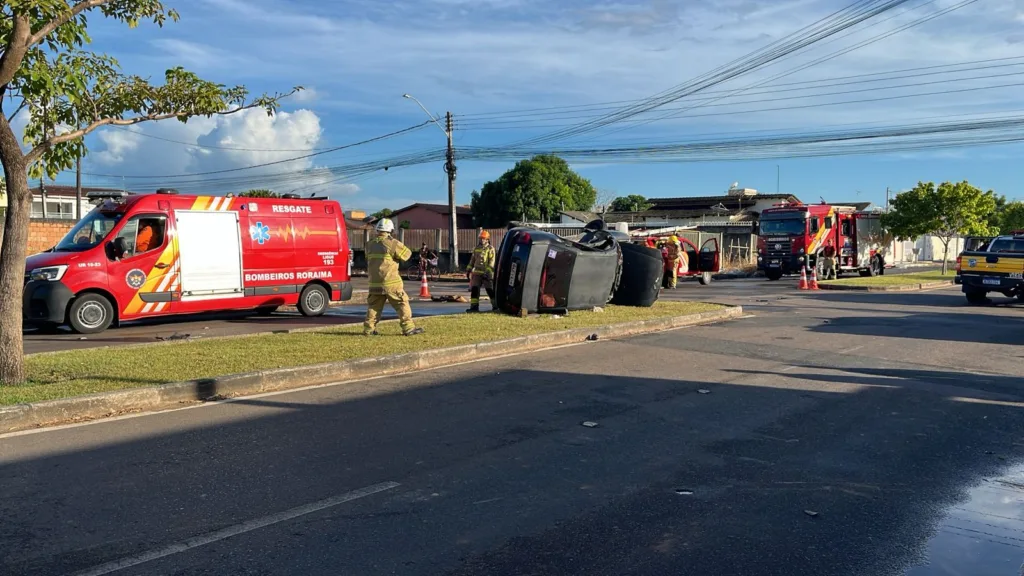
792 235
140 256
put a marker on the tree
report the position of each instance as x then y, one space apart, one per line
631 203
533 189
1011 217
259 193
382 213
67 93
405 225
946 211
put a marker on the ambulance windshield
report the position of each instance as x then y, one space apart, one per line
89 232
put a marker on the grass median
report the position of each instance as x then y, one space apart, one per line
74 373
894 279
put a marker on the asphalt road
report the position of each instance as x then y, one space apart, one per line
234 324
840 433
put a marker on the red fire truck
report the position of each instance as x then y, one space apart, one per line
150 255
791 235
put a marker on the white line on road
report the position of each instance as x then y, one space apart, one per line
235 530
849 350
790 368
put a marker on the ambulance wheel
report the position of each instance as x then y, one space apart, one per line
704 278
773 274
314 300
90 313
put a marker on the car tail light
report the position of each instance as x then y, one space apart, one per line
524 238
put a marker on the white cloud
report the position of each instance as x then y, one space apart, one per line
280 145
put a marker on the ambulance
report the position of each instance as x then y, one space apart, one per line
139 256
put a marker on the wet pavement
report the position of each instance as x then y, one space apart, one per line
983 534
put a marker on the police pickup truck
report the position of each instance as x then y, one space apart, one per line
996 267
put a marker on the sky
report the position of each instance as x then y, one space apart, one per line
562 62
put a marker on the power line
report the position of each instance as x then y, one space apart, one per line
207 147
265 164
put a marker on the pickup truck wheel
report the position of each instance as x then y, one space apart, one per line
314 300
976 297
704 278
90 314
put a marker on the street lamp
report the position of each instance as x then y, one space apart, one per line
449 168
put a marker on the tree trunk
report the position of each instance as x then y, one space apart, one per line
12 257
945 256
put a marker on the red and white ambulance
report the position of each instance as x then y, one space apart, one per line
149 255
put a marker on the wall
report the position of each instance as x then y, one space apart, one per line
44 234
422 218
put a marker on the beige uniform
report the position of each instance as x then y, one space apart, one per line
383 255
481 273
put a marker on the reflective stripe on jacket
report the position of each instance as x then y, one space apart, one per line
383 254
483 260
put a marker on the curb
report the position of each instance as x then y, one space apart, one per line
896 288
174 395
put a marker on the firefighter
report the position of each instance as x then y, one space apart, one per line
672 250
383 255
828 264
481 271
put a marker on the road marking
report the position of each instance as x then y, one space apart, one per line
790 368
211 537
849 350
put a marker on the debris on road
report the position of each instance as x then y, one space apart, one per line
811 513
597 309
449 298
684 492
590 424
175 336
703 391
592 338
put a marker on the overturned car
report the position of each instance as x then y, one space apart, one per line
540 272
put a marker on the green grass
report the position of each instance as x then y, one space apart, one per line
895 279
66 374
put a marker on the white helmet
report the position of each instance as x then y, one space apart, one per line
385 225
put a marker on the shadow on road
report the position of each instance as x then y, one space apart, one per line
964 327
878 466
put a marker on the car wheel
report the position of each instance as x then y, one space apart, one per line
90 314
314 300
976 297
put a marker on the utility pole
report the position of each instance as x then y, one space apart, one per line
42 195
78 187
886 198
778 177
450 169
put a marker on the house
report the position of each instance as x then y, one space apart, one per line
60 201
576 218
739 208
432 216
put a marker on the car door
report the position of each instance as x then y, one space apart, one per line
143 276
709 260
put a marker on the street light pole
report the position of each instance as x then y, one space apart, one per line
450 170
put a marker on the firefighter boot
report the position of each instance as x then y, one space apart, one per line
474 300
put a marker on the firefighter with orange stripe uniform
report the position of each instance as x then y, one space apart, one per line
481 271
383 255
672 260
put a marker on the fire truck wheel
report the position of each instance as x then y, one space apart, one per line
90 313
704 278
314 300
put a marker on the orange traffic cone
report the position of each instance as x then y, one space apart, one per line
814 279
803 278
424 289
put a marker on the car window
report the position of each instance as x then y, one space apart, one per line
143 234
1007 245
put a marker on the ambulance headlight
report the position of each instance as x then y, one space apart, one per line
50 273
